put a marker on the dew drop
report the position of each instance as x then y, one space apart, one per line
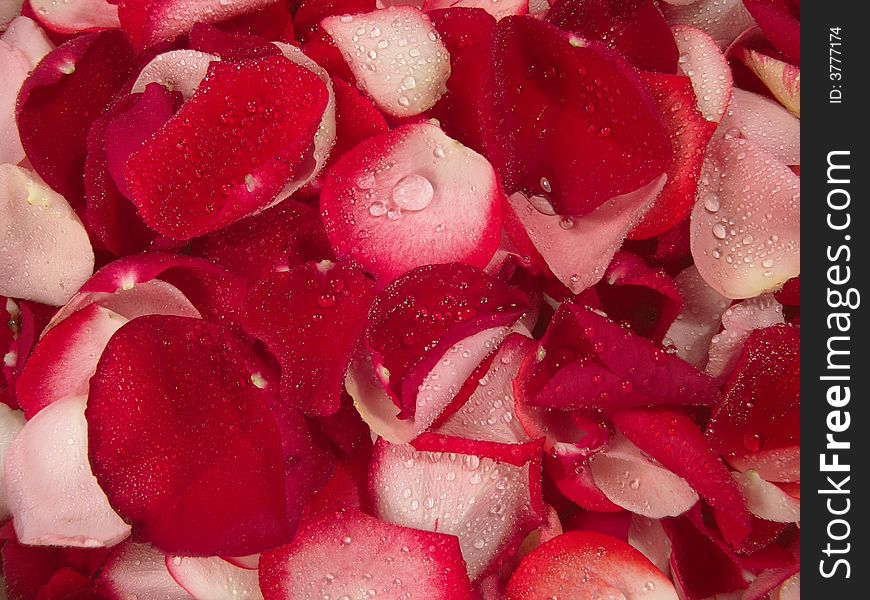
377 209
712 202
719 231
413 192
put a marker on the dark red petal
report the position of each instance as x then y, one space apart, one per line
780 22
60 100
634 28
356 118
678 444
588 361
467 35
278 238
229 149
416 319
311 12
769 580
185 444
311 318
701 567
347 551
646 298
790 293
110 216
559 119
211 40
759 414
27 569
323 51
690 133
273 22
582 564
155 21
411 197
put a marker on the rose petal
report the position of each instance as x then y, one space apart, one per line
766 500
311 318
649 537
578 249
396 57
557 137
46 256
176 70
581 564
213 578
53 496
11 422
74 16
60 100
140 570
348 551
433 491
766 124
634 28
780 22
703 306
148 23
227 134
193 455
722 20
409 198
738 322
497 8
703 62
739 178
781 78
678 444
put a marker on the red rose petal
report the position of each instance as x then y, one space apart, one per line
28 569
311 318
110 216
551 135
675 441
737 323
757 424
213 578
192 454
646 298
498 9
588 361
148 23
582 564
279 238
140 570
467 35
780 22
635 29
75 16
416 319
227 46
60 100
46 256
357 119
53 496
225 154
272 22
311 12
690 133
411 197
432 491
348 551
701 567
396 57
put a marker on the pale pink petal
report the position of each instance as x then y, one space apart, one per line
702 61
436 392
649 537
703 306
723 20
791 589
176 70
26 35
53 495
396 56
766 500
213 578
139 571
11 422
739 321
745 229
14 68
578 249
637 483
45 253
72 16
765 123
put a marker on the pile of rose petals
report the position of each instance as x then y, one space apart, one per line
402 300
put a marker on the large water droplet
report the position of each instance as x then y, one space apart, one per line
413 192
